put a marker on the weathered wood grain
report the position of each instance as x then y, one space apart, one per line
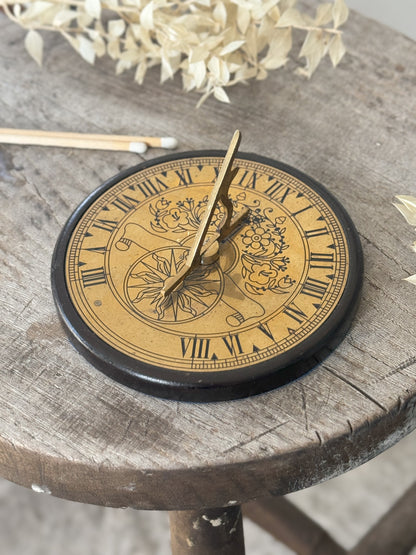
67 428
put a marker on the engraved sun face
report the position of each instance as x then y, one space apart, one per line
198 293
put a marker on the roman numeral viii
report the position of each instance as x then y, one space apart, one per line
195 347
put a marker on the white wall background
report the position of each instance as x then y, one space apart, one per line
399 14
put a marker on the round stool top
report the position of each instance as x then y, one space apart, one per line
67 429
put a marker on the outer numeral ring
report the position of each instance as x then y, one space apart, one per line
210 386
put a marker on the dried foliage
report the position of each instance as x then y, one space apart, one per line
213 43
407 207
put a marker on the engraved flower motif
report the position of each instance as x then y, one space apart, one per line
262 274
175 218
162 204
257 238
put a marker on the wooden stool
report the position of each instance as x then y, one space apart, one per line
69 430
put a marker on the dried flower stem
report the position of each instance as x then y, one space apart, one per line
213 43
319 29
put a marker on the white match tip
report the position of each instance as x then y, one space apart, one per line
168 142
138 148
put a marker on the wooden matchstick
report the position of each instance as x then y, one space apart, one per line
130 143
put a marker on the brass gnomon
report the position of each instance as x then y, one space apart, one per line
207 251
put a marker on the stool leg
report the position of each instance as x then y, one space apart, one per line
207 532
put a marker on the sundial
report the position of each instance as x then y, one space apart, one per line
207 275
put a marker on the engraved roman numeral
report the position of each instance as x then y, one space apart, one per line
295 313
322 260
125 203
266 330
106 225
248 179
278 191
93 276
316 232
184 177
232 342
302 210
195 347
150 187
315 288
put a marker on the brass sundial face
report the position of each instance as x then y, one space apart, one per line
277 295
